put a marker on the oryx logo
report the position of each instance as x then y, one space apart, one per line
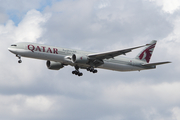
147 53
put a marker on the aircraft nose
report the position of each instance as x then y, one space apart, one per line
11 49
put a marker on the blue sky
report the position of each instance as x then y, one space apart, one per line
16 15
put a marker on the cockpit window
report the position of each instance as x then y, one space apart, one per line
13 45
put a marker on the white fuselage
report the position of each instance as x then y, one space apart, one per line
63 55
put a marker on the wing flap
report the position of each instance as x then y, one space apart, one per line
154 64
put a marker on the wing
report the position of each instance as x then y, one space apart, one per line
112 54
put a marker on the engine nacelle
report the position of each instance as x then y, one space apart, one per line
80 58
54 65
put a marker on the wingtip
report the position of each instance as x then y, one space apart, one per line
151 43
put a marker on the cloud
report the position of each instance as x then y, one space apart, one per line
124 92
175 112
168 6
118 24
103 4
16 10
31 26
38 103
28 30
21 105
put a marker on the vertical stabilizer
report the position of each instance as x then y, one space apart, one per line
146 53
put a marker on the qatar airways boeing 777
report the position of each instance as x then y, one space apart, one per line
57 57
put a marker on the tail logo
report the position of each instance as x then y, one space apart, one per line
147 53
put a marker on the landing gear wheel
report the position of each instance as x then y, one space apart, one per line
73 72
80 74
91 69
95 71
19 61
76 72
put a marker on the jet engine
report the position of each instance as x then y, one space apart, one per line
54 65
80 58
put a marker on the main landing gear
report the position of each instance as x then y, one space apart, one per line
76 72
19 57
91 69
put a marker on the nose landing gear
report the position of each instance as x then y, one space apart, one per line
19 57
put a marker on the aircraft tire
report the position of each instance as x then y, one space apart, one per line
73 72
95 71
80 74
19 61
76 72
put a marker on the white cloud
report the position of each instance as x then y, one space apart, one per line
22 105
38 103
29 30
103 4
176 115
147 98
152 114
164 90
175 34
170 44
169 6
118 94
31 27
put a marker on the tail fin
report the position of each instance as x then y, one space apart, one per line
146 53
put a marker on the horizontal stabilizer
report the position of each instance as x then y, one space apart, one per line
154 64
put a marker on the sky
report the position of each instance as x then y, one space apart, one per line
30 91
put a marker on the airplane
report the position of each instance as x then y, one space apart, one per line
57 57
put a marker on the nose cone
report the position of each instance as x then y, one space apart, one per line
11 49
